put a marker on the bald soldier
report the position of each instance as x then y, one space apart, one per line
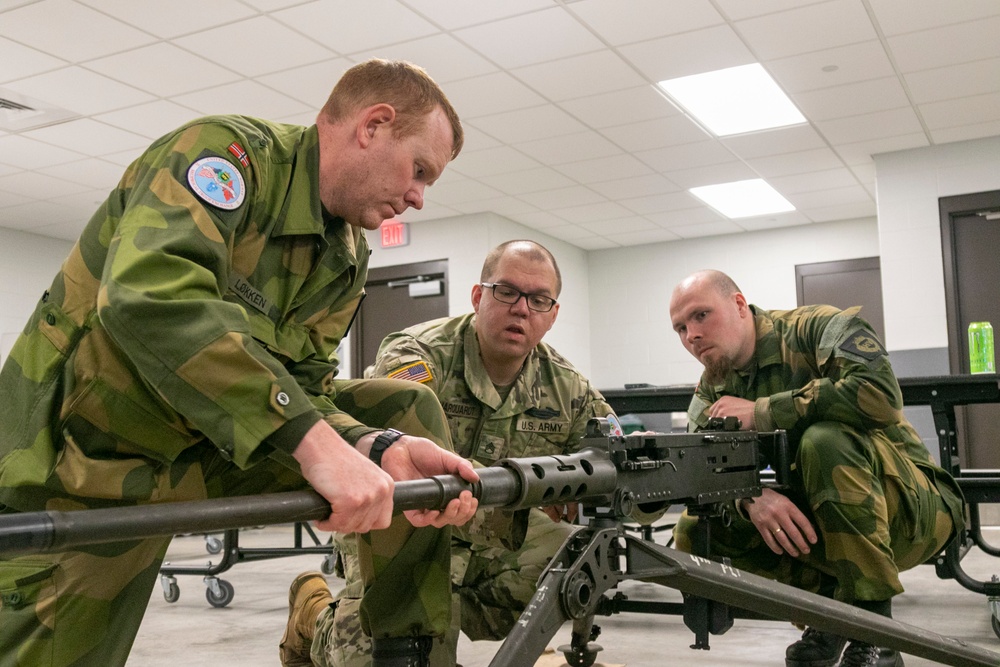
506 394
866 499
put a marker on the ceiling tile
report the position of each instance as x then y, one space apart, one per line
691 53
569 148
773 142
870 126
706 229
848 211
538 220
645 19
243 97
598 243
444 57
490 94
623 225
69 30
457 191
176 70
807 29
974 40
540 36
89 137
339 25
697 154
34 185
790 219
68 231
27 153
852 99
528 124
966 132
817 180
945 83
476 140
79 90
895 17
741 9
562 197
621 107
261 45
671 201
151 120
92 172
505 206
8 199
646 237
637 186
605 169
861 152
826 198
843 64
430 212
310 84
656 133
601 212
699 214
499 160
20 61
577 76
460 13
528 180
963 111
817 159
727 172
177 17
569 232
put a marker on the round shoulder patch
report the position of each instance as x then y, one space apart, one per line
218 182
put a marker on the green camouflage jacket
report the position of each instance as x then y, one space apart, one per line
203 302
817 363
546 411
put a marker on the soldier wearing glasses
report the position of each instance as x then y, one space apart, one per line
505 394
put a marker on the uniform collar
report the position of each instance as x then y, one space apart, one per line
478 380
767 350
304 187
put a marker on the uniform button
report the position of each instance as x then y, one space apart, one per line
282 398
51 319
14 599
262 142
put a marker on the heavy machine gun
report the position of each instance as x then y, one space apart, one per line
611 476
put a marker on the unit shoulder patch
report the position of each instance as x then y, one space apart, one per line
218 182
864 345
415 372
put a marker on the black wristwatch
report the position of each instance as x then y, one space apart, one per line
382 442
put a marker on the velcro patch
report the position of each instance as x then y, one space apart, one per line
864 345
218 182
417 372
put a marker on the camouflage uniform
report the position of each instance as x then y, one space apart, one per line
861 473
182 352
546 412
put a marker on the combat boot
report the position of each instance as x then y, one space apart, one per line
402 652
815 649
307 597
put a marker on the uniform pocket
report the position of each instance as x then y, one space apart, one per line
27 608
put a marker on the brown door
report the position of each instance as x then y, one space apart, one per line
397 297
843 284
970 234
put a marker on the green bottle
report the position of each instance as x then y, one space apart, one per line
981 359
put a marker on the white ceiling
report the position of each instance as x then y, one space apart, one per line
566 132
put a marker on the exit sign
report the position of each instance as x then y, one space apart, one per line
395 234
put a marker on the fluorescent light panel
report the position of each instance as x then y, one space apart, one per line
743 199
734 100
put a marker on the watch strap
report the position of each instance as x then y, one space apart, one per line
382 442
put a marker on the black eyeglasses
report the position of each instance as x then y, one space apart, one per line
507 294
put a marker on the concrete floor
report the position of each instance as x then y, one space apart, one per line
246 632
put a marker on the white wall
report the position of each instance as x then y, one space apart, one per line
631 337
909 184
464 241
27 265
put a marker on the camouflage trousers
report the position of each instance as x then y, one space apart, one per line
491 584
875 513
84 607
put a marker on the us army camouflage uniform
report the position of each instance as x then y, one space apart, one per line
185 347
546 412
861 473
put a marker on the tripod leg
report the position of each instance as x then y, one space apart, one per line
581 651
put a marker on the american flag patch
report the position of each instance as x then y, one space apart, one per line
418 372
239 153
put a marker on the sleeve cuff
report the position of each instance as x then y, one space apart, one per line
762 420
288 437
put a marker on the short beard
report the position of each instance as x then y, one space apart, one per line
716 370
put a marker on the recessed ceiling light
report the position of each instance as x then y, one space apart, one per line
734 100
743 199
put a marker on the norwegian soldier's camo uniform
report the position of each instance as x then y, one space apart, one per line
546 412
182 352
861 473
